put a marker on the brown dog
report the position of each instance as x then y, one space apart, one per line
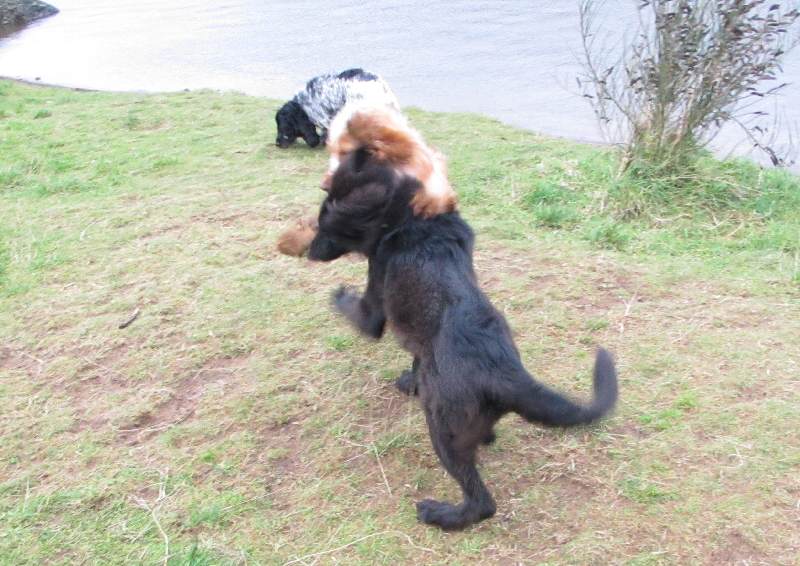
393 141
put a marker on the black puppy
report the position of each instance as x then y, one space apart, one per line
466 370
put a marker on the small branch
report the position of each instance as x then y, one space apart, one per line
162 494
383 472
27 494
130 319
35 359
628 306
160 427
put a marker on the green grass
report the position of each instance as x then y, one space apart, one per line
238 420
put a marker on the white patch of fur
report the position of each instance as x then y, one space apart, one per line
437 185
329 94
339 124
333 163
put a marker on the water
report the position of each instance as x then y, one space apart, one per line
515 60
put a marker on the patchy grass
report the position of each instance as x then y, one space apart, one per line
237 420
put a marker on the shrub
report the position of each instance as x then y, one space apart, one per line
693 66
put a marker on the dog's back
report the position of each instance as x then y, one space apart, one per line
325 95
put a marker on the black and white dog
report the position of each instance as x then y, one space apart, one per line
315 106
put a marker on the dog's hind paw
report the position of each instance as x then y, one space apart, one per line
451 517
443 515
407 383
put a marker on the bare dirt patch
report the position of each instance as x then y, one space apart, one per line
631 430
96 379
735 550
12 360
181 400
161 231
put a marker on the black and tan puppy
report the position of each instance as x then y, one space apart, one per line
466 370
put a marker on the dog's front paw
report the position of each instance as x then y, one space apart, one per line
346 301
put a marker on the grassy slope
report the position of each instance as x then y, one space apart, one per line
239 420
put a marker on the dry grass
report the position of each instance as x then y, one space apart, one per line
237 420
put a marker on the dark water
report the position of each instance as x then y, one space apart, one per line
515 60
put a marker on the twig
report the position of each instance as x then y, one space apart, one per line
628 306
89 225
383 472
130 319
731 233
162 494
351 543
27 494
689 330
160 427
35 359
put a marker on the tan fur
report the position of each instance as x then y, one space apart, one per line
391 139
296 240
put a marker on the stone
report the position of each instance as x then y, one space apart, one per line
18 13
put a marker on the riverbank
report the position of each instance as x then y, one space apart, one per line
236 419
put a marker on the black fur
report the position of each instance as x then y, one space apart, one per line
466 369
293 123
357 74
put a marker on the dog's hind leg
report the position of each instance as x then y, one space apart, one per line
457 454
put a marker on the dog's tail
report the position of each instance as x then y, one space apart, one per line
538 403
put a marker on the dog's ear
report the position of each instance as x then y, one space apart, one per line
307 129
352 216
348 174
285 123
348 223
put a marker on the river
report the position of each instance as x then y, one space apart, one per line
514 60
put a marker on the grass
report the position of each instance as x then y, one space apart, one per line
237 420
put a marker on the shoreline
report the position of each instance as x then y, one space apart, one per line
210 89
730 155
